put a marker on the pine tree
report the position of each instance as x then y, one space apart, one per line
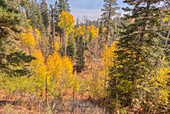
45 15
12 60
33 13
140 51
52 24
41 25
54 13
71 48
80 44
63 5
110 7
80 55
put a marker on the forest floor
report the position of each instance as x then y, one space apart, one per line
25 104
8 106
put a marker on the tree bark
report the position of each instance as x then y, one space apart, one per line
53 28
65 44
108 26
166 42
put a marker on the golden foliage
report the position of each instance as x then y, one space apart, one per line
94 32
38 67
60 69
39 58
57 46
66 22
160 84
166 19
98 75
28 20
80 31
109 54
27 39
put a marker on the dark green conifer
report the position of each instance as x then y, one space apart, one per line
44 13
12 61
71 48
63 5
80 55
109 10
54 13
140 51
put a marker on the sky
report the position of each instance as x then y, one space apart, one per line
89 8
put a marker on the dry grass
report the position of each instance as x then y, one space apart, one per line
29 104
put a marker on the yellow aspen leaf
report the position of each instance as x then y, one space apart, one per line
28 20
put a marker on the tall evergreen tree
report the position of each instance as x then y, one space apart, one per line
140 51
45 15
33 13
41 25
12 60
63 5
71 48
110 7
80 55
54 13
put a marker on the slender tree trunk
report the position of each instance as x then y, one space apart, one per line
166 42
117 29
106 41
53 29
108 26
73 97
29 50
105 70
116 95
46 91
61 39
27 13
107 35
65 47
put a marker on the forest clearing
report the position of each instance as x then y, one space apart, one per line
56 60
